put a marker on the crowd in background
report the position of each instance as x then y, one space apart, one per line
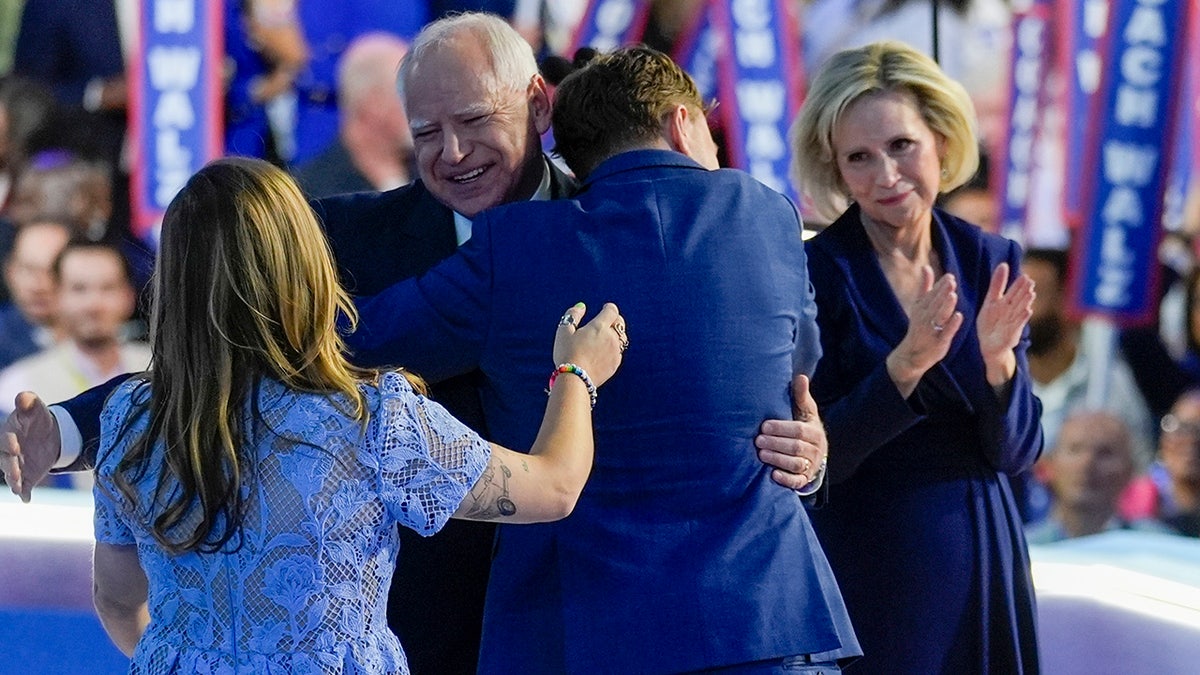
311 87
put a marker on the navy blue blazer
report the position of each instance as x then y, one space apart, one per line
920 524
681 554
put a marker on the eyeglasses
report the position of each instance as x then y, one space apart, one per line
1171 424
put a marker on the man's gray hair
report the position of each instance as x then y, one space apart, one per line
513 64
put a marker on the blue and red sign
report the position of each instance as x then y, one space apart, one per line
1082 24
1115 265
761 85
1013 174
176 102
608 24
747 52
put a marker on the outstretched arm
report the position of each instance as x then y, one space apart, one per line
32 439
29 446
545 484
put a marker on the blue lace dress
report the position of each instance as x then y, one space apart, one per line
306 590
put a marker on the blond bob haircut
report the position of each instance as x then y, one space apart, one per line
853 74
245 289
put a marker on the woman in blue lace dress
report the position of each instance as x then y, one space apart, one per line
249 485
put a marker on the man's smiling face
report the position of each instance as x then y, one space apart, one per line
477 140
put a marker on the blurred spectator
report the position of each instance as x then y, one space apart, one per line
60 185
27 324
1086 472
974 37
1058 362
76 49
95 300
974 201
1059 367
1170 492
10 18
373 150
79 50
26 109
330 28
26 106
265 50
1164 355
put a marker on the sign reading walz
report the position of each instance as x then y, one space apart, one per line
1115 266
176 102
747 52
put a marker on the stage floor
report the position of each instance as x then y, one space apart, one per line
1116 602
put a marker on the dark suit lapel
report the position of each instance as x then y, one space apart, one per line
854 255
963 353
430 221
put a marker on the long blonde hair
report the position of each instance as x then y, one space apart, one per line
245 288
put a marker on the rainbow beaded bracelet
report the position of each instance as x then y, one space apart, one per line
577 371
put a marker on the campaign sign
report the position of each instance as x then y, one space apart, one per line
1185 160
608 24
760 81
1027 77
699 49
1082 28
1114 266
176 100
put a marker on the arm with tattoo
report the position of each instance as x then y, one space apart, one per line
549 479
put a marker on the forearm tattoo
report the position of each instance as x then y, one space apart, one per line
489 498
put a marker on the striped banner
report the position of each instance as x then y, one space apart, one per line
608 24
176 103
699 49
1012 173
1081 28
761 84
1186 160
1115 264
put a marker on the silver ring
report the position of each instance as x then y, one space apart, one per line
567 319
937 327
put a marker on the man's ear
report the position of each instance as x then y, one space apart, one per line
539 104
677 130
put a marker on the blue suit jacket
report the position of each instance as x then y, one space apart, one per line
920 524
681 554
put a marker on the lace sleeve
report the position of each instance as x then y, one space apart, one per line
428 460
110 527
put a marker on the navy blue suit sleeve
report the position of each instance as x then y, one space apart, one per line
85 411
1011 430
868 416
435 325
